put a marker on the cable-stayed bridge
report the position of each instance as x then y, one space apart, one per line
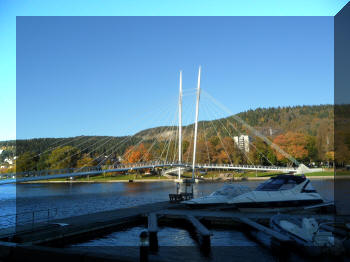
176 164
167 167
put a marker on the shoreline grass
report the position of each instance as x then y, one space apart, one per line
211 175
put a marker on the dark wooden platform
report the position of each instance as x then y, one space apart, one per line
60 232
79 226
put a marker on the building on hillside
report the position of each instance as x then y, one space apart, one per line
242 142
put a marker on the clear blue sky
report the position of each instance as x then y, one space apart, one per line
90 75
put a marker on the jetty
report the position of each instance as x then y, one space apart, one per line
57 236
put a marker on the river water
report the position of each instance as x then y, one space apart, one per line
72 199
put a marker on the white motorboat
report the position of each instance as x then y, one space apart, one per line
279 192
308 235
221 196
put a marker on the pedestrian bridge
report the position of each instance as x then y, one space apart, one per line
167 167
181 164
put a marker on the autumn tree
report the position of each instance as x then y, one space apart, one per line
294 144
136 154
330 157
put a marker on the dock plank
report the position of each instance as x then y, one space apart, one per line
199 227
265 230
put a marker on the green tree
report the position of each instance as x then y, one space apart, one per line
64 157
26 162
312 148
43 163
86 161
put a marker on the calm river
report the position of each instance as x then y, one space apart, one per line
72 199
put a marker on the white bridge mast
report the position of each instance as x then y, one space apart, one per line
196 124
180 125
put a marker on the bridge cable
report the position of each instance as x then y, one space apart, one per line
230 123
126 139
206 141
52 148
243 151
142 140
253 130
156 139
215 129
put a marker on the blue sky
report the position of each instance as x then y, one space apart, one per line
90 75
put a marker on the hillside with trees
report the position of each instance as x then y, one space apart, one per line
305 132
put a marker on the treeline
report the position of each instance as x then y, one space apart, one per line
316 123
58 153
223 150
305 132
97 144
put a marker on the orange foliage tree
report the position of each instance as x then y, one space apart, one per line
293 143
136 154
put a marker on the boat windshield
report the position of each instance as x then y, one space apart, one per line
279 183
231 190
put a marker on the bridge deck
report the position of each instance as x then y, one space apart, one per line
75 172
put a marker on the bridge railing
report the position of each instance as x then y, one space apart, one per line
244 166
139 165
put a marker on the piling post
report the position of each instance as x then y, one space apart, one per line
153 231
144 246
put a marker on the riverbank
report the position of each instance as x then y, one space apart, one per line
211 176
170 179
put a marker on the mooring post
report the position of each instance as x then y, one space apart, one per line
144 246
153 231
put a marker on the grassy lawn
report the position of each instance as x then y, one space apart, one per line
102 178
120 177
216 174
208 175
324 173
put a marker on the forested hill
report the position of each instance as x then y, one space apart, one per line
316 121
304 131
96 144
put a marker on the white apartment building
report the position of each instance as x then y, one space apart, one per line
242 142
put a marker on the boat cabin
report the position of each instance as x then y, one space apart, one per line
281 182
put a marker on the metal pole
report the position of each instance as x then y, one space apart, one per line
180 125
196 124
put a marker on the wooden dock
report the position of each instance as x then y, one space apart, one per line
202 231
60 233
80 227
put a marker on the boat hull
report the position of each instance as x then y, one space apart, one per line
300 244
